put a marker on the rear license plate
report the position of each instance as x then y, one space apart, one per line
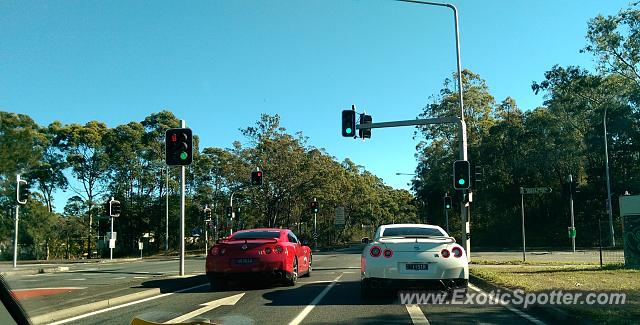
417 267
244 261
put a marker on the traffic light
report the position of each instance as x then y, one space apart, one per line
365 133
461 175
229 211
114 208
179 147
207 213
256 177
22 191
315 206
349 123
447 202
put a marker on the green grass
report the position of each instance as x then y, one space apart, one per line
520 262
578 278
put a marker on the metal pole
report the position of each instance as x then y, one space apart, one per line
206 231
231 222
573 238
15 238
315 230
446 217
166 220
600 239
606 161
111 237
182 208
524 245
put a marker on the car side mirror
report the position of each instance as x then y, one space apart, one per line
366 240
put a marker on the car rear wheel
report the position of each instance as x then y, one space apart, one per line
293 278
308 274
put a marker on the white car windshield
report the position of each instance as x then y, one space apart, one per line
411 232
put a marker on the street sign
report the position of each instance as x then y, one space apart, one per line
140 245
535 190
572 232
112 243
339 216
112 235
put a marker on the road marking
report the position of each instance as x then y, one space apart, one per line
315 301
97 312
228 301
417 316
120 278
78 279
140 277
509 307
315 282
22 294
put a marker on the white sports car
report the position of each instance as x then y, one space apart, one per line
413 256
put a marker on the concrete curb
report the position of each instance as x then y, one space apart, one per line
556 315
32 271
101 304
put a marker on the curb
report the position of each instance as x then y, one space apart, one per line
556 315
36 271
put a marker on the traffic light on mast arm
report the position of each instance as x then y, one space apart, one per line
179 147
349 122
461 175
365 133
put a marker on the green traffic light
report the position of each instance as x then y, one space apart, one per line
461 181
348 130
183 155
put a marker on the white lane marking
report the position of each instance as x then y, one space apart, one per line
417 316
78 279
31 280
140 277
64 321
227 301
120 278
314 282
313 303
509 307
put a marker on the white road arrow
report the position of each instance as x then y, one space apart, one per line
228 301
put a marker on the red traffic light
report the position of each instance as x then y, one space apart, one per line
259 174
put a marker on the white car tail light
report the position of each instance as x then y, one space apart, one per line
387 253
375 251
445 253
457 251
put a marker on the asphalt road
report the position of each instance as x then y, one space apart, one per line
330 295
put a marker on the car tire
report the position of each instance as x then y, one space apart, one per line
308 274
293 278
217 284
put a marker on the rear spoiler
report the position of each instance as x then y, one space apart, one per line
246 240
448 238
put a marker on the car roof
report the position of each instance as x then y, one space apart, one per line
400 225
264 229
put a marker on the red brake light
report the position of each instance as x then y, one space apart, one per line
215 250
375 251
267 250
279 249
445 253
457 252
387 253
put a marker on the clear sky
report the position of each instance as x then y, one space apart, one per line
220 64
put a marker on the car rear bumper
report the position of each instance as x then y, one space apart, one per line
419 284
226 265
248 276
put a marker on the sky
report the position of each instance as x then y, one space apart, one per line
220 64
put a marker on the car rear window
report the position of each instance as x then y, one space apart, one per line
411 231
256 235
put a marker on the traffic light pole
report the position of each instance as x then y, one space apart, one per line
446 218
166 220
110 238
573 238
524 250
183 124
15 238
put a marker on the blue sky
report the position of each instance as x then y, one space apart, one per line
220 64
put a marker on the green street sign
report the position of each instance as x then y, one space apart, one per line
572 232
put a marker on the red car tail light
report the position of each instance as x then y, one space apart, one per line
445 253
279 249
387 253
375 251
457 251
267 250
215 250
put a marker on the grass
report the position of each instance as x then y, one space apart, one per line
578 278
519 262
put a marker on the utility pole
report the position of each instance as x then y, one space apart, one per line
572 231
524 245
21 198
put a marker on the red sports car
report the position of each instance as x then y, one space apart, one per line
271 252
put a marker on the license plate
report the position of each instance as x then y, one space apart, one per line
417 267
243 261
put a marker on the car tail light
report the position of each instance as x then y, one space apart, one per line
445 253
222 251
279 249
457 251
387 253
215 250
375 251
267 250
363 263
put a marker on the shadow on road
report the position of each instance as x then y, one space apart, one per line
343 293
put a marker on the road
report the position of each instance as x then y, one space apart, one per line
330 295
